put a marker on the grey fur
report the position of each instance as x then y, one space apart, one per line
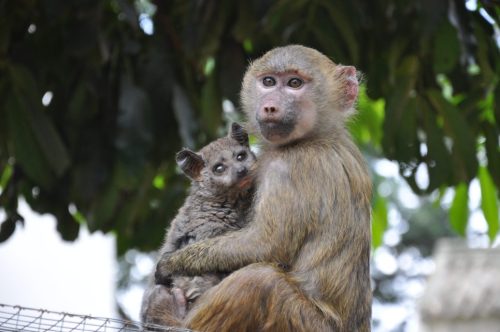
216 204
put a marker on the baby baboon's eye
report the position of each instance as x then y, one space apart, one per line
241 156
295 83
219 168
268 81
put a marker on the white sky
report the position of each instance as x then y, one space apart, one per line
39 270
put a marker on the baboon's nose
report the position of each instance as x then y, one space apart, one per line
242 172
270 109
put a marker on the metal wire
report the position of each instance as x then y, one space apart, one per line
17 318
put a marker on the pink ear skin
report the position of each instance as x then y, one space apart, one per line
350 85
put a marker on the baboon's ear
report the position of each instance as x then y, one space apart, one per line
239 134
190 162
350 85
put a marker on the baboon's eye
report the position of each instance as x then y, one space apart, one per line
241 156
268 81
295 83
219 168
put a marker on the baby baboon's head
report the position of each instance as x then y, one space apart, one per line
223 165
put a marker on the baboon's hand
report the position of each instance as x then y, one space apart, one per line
190 260
163 273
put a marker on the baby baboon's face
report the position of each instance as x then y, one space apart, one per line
228 165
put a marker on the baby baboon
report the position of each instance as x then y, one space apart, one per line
303 259
220 195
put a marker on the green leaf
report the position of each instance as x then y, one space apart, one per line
456 127
459 210
50 142
325 37
79 217
5 35
497 104
342 21
103 209
245 26
7 228
5 177
214 20
159 182
82 106
366 126
379 220
48 139
446 48
26 149
232 70
492 145
484 44
489 203
211 106
438 159
134 135
396 109
67 226
406 142
395 53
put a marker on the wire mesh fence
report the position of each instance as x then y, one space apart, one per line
17 318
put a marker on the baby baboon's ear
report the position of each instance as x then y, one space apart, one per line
190 162
239 134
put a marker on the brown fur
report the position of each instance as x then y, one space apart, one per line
303 259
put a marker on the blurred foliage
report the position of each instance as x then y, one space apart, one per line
96 96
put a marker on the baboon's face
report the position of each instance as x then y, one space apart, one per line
284 110
228 165
295 92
